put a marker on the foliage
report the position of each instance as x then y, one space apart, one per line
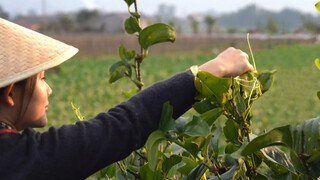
318 6
190 147
84 18
67 24
148 36
311 26
210 21
271 26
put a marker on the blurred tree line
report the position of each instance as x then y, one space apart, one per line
249 19
3 14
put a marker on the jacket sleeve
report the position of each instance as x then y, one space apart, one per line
111 136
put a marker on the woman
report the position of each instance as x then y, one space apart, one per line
77 151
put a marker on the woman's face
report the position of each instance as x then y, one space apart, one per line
37 107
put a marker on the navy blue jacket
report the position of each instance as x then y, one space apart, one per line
77 151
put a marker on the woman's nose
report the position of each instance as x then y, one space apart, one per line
49 90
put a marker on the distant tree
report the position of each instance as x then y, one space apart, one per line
232 30
66 23
51 27
311 26
271 26
165 13
3 14
84 17
210 21
194 24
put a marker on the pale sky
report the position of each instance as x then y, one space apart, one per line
151 6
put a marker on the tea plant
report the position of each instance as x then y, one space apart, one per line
154 34
148 36
192 148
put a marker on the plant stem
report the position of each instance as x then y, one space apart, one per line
138 59
142 156
254 63
122 170
136 176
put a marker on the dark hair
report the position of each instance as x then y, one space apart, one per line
27 88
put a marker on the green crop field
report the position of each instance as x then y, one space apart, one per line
292 99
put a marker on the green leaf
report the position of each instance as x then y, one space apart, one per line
170 162
214 88
231 148
242 170
314 169
129 2
156 33
147 174
119 70
214 142
197 127
211 116
173 171
109 171
189 164
317 62
167 122
261 176
266 80
279 163
176 149
77 112
204 106
296 161
130 93
318 6
180 124
231 132
318 94
125 54
306 136
191 147
286 176
152 147
197 172
206 149
237 153
277 136
239 103
230 173
315 156
131 25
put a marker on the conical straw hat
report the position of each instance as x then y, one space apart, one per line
24 52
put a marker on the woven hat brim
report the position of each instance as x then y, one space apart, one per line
24 52
41 67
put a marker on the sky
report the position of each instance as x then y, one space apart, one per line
182 7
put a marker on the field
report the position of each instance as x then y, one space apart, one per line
292 99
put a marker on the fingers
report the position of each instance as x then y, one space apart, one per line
250 67
230 63
245 55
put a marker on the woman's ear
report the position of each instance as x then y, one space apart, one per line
8 94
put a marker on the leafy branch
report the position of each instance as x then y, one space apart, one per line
148 36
